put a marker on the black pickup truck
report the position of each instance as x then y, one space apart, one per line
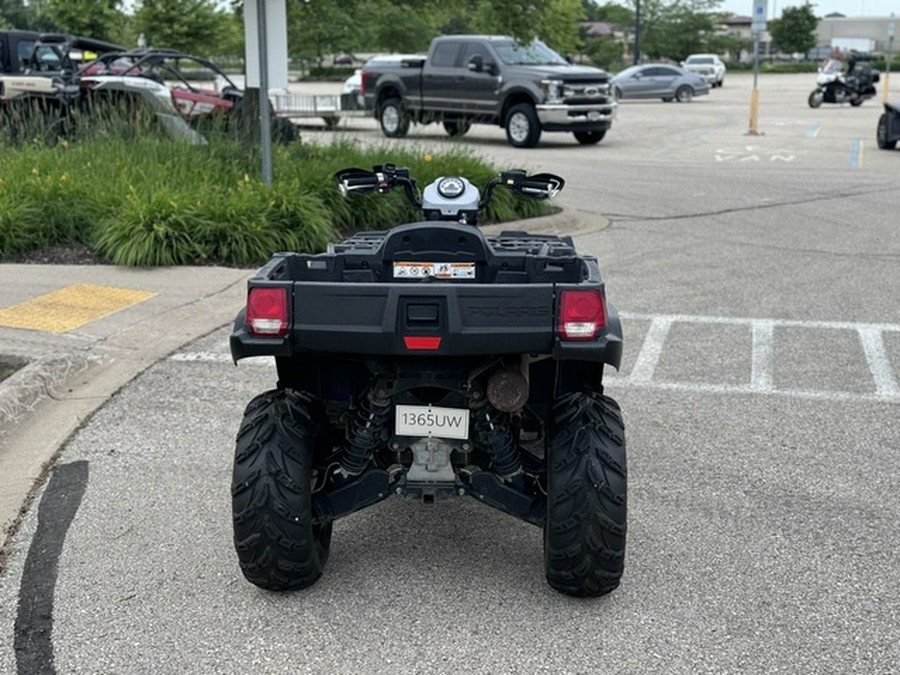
432 361
466 79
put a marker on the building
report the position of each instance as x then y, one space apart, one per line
836 30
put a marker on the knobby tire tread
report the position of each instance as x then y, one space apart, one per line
279 545
585 530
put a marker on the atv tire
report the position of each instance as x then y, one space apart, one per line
585 527
281 544
883 133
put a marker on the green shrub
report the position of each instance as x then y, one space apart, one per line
20 225
150 200
150 230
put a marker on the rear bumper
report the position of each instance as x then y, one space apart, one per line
378 320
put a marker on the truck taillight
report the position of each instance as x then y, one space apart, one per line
581 315
267 312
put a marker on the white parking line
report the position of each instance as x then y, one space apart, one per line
761 360
873 345
871 336
648 358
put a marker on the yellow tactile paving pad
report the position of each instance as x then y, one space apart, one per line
70 307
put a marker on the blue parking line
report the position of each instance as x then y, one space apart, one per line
855 153
813 131
687 141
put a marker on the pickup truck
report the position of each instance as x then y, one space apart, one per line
466 79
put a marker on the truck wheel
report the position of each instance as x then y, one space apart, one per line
589 137
457 127
856 101
816 98
394 119
684 94
881 134
584 531
523 129
281 544
284 131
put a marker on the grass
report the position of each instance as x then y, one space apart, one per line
148 200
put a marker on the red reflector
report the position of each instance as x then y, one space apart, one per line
267 312
581 315
421 342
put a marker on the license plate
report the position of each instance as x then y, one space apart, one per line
593 116
426 420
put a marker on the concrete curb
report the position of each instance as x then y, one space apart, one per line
36 380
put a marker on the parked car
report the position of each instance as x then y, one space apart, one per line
353 84
709 66
659 80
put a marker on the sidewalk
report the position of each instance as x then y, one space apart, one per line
83 332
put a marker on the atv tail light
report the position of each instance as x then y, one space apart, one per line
267 312
581 315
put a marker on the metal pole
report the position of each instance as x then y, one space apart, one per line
754 94
887 75
637 32
265 122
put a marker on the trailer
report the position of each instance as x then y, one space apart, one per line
331 108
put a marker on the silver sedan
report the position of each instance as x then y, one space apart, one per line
659 80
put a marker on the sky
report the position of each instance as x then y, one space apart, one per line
850 8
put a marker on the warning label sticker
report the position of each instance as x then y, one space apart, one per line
442 270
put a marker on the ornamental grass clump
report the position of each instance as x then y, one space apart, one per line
148 200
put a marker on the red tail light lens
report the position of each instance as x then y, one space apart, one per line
412 342
267 312
581 315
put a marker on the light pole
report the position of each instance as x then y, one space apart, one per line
887 75
637 32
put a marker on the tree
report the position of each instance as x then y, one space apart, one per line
195 26
675 28
98 19
795 31
556 22
14 14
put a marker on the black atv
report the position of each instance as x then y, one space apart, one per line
432 361
887 133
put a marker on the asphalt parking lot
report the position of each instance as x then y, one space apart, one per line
757 276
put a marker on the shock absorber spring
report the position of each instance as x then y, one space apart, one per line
496 439
366 433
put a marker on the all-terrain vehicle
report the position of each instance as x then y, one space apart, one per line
887 132
432 361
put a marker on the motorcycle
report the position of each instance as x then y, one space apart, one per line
835 86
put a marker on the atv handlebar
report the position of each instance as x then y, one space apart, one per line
385 177
382 178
